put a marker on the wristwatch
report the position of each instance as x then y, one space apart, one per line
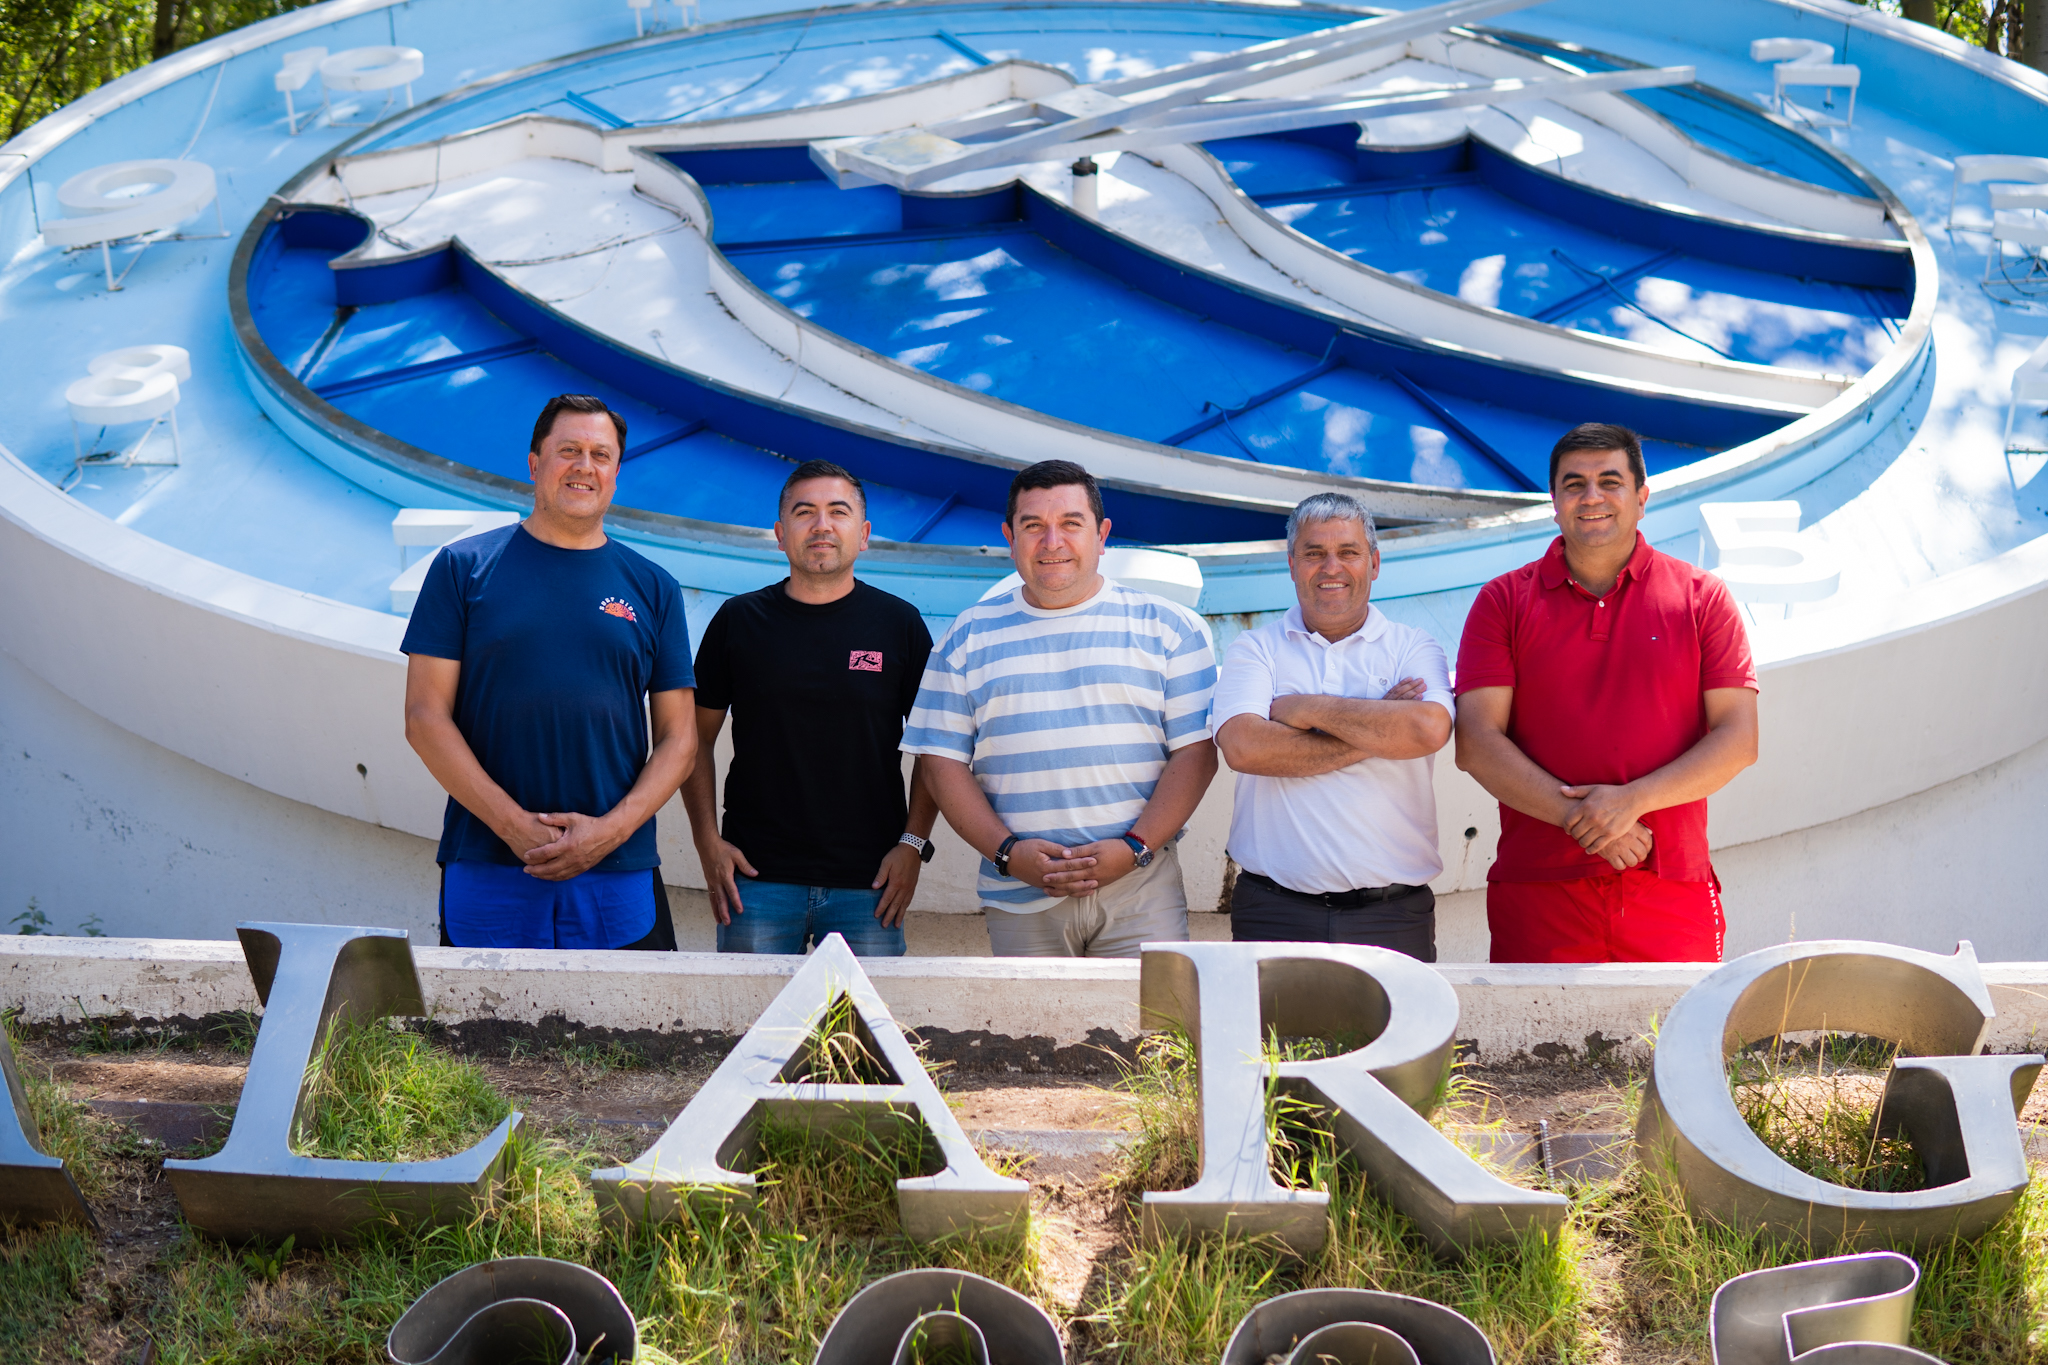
1002 858
925 847
1138 847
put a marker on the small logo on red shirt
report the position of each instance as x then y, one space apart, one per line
866 661
613 606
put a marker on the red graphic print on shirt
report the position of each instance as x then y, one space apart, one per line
866 661
612 606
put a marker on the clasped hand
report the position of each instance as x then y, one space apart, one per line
1077 870
560 846
1604 820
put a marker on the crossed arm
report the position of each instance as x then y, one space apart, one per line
1605 819
554 845
1083 868
1306 736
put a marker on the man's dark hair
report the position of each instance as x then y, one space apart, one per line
1053 474
574 402
820 469
1600 436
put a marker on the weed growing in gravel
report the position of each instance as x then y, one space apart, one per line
601 1059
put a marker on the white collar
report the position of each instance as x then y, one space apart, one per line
1374 626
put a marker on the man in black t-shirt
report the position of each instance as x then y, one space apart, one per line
819 672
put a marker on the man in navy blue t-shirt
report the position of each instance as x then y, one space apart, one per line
537 655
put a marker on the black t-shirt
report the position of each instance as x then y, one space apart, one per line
818 695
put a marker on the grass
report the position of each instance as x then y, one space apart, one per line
1631 1263
1815 1105
1631 1271
378 1094
41 1273
756 1284
1179 1300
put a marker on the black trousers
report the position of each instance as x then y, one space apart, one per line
660 939
1261 913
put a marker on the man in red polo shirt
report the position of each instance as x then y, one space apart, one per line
1604 692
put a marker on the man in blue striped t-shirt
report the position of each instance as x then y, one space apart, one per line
1065 726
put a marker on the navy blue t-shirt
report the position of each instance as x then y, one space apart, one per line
559 649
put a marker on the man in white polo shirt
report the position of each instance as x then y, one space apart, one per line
1064 728
1329 717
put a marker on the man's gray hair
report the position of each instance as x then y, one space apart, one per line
1331 507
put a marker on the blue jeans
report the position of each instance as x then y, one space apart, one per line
782 917
493 905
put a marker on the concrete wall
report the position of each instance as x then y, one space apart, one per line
103 823
1505 1012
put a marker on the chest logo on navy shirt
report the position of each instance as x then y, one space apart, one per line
619 607
865 661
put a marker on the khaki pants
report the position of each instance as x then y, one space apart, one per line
1149 905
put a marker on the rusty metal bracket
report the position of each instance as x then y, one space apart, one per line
311 976
917 1316
698 1156
1847 1310
520 1308
1375 1097
1960 1109
35 1187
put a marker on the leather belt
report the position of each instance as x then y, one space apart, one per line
1335 900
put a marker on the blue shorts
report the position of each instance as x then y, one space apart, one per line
495 905
782 917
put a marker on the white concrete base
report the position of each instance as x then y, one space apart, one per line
107 824
1505 1011
103 823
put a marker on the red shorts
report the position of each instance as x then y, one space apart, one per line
1632 916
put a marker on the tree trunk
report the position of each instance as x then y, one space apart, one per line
169 19
2031 48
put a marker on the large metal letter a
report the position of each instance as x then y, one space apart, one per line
719 1127
1228 996
256 1187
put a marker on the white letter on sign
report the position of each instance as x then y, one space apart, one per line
1756 549
1229 995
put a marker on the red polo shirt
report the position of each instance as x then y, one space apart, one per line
1606 690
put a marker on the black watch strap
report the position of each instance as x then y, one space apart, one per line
1002 858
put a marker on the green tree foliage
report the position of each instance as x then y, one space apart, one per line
54 51
1997 26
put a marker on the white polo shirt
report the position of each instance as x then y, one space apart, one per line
1371 824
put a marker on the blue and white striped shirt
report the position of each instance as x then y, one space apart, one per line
1066 717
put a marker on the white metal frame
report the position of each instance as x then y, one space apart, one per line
96 217
353 70
300 66
2029 385
1181 104
1972 170
1807 62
